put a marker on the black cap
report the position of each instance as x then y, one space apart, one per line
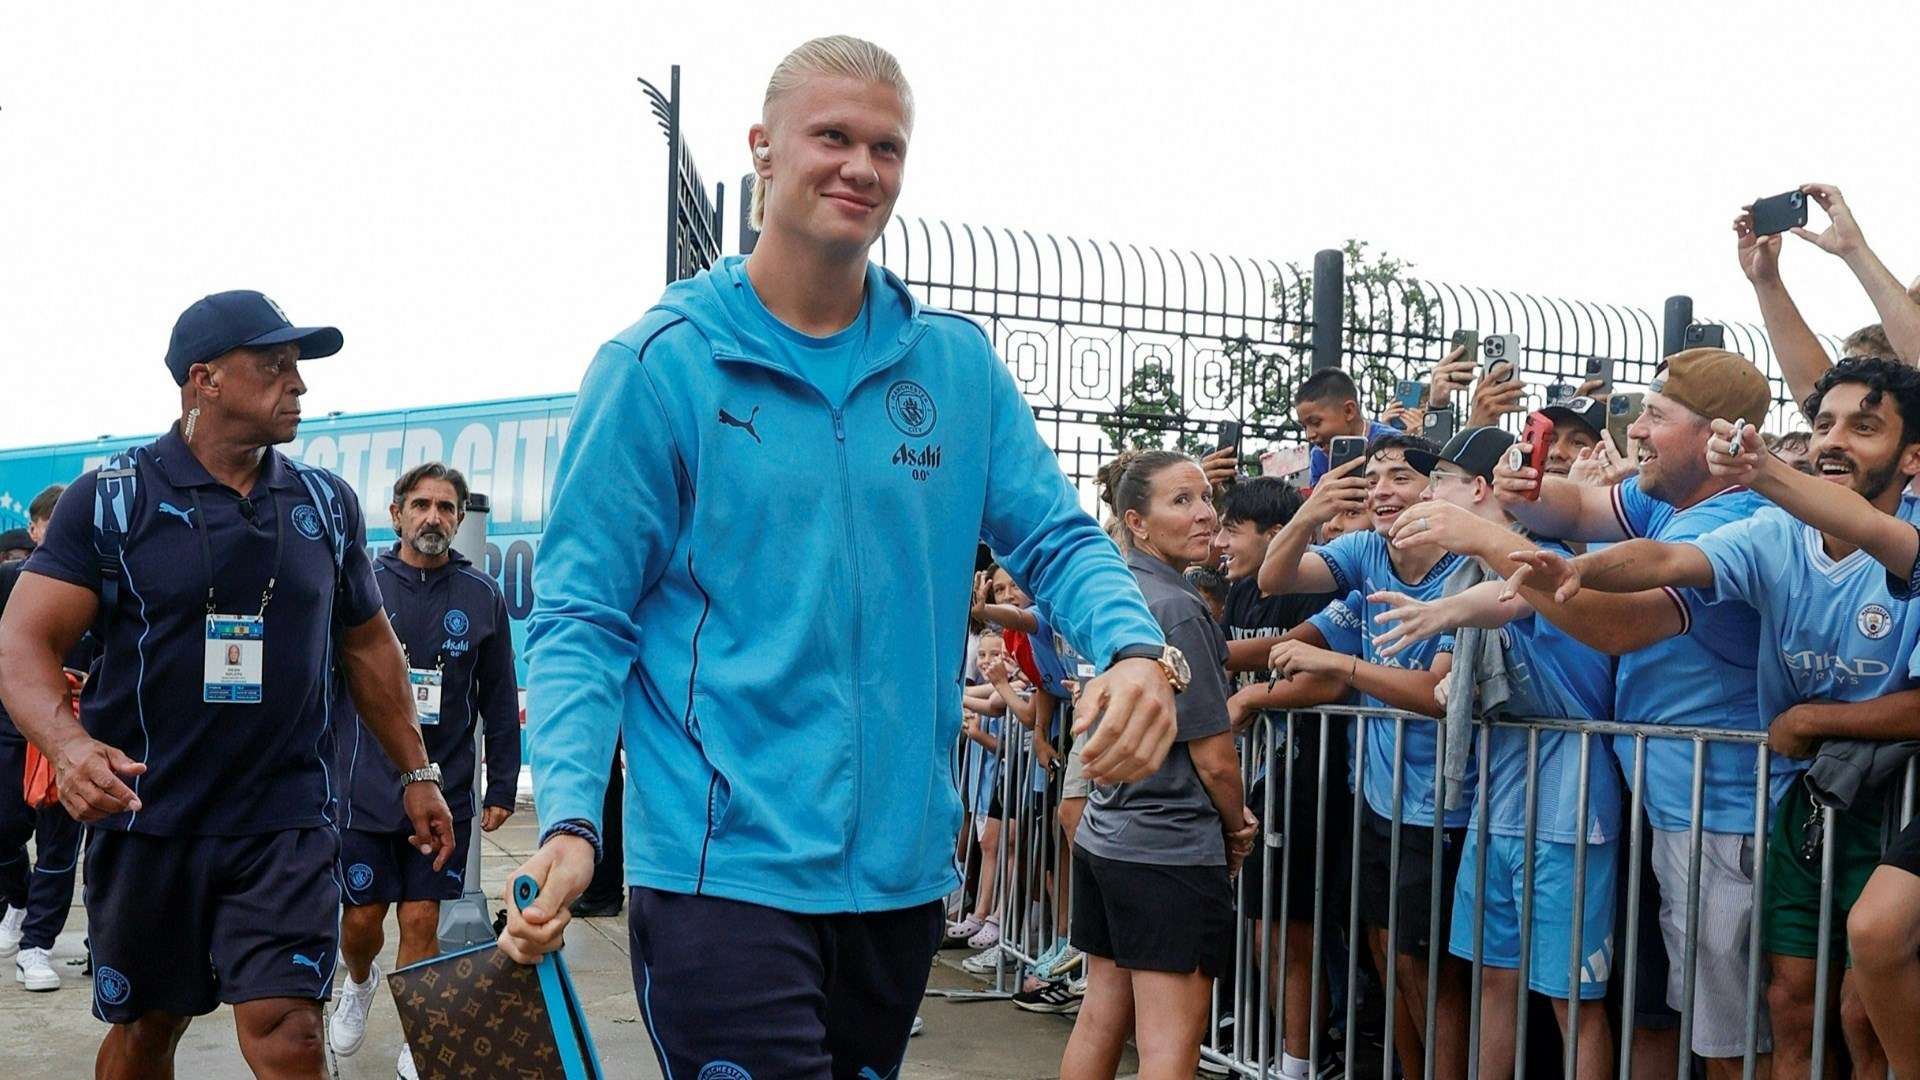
1587 412
1477 450
16 539
218 324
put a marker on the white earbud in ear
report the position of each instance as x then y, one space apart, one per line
763 151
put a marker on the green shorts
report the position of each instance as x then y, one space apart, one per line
1792 916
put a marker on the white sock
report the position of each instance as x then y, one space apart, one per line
1293 1067
371 972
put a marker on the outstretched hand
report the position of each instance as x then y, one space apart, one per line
1759 255
1411 621
1735 465
1545 571
1842 235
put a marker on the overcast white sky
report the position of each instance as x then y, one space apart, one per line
473 193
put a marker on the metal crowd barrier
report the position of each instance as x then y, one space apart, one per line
1253 1051
1255 996
1027 902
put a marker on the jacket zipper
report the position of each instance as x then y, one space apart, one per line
853 562
905 345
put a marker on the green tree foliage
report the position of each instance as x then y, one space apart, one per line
1387 317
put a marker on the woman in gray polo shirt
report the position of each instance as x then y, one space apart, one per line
1152 907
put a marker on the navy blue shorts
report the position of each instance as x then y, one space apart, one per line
731 990
180 924
383 868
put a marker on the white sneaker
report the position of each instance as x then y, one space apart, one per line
982 962
10 931
403 1069
33 968
347 1028
919 1026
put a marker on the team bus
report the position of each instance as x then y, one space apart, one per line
508 451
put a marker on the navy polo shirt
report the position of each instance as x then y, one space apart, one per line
216 769
452 618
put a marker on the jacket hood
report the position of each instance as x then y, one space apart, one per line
703 301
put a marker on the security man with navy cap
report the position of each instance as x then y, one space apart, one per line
211 872
453 625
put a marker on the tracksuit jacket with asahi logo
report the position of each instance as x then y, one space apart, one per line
451 619
763 588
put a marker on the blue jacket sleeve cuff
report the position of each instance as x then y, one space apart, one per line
579 828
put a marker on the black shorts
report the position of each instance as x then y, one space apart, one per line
183 923
1148 917
1293 861
1904 852
1415 882
382 867
733 990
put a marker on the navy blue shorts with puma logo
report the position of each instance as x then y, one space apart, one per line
737 991
180 924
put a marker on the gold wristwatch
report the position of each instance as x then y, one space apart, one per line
1173 663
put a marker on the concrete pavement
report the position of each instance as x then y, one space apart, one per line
53 1036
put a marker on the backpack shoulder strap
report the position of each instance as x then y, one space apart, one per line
115 488
321 487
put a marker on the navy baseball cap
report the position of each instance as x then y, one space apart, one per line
1588 412
1477 450
218 324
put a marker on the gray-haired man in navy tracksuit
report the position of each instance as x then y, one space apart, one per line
452 624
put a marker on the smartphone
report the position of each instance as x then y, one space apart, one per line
1468 342
1408 393
1345 448
1229 436
1622 411
1561 391
1601 368
1439 426
1778 213
1539 435
1705 336
1500 349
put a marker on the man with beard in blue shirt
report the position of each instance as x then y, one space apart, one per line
452 624
1685 661
1838 660
210 871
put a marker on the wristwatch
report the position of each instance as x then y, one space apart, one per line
1173 663
429 771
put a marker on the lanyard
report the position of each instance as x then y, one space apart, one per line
206 548
440 651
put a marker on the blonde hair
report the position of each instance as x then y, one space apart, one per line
841 56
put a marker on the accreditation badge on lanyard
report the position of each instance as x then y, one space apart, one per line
236 644
236 648
425 684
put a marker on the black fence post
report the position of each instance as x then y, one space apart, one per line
1679 316
673 178
1329 308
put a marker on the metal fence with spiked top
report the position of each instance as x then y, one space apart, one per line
1118 344
693 219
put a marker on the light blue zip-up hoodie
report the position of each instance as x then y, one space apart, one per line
764 590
